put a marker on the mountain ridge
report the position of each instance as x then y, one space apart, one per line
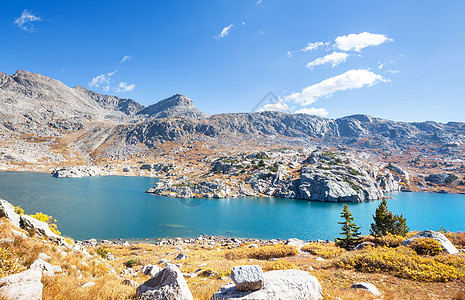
35 104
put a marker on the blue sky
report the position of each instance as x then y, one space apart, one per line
401 60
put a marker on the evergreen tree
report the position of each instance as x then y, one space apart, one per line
350 231
388 223
382 218
400 226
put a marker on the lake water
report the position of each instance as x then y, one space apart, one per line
113 207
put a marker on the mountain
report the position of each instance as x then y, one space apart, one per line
173 107
40 106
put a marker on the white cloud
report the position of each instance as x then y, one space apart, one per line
126 58
224 32
351 79
25 20
313 46
334 59
124 87
101 80
356 42
313 111
279 106
289 54
392 71
259 2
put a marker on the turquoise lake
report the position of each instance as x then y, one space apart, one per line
113 207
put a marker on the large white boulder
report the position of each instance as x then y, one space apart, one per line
446 245
7 210
42 229
279 285
22 286
46 268
168 284
295 242
247 277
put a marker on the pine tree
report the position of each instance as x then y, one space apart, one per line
387 223
383 220
400 226
350 231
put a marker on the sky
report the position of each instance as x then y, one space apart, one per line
399 60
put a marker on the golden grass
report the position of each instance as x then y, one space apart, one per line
262 253
334 278
323 250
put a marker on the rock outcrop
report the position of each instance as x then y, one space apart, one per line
22 286
168 284
7 210
42 229
282 284
446 245
77 172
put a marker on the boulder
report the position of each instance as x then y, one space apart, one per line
42 229
151 270
281 284
7 210
168 284
366 286
181 256
88 284
22 286
44 256
129 282
364 245
46 268
248 277
295 242
446 245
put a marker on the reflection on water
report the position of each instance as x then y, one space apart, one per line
116 207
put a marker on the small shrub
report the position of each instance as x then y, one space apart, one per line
275 251
426 246
354 172
8 264
388 240
215 273
401 262
266 252
457 238
451 178
18 210
49 220
324 250
130 263
102 252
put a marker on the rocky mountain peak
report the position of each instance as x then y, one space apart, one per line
175 106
